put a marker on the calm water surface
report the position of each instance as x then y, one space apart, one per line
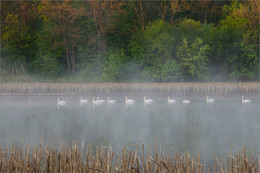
219 127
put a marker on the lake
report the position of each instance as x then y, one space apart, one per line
221 127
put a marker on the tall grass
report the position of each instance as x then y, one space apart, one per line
76 157
131 88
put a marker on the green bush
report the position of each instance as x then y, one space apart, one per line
46 66
171 71
193 59
113 66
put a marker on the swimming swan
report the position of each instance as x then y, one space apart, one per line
210 100
129 101
100 101
246 100
171 101
147 101
60 102
110 101
95 102
83 101
185 101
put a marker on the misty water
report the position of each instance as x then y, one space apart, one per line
220 127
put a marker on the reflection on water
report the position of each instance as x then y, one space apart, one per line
217 127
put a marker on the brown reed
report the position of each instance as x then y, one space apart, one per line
71 157
130 88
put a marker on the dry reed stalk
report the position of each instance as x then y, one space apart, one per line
69 158
131 88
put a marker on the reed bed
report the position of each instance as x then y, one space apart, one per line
130 88
76 157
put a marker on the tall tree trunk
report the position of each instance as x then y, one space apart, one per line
174 8
68 61
72 60
103 45
67 54
140 15
162 9
99 42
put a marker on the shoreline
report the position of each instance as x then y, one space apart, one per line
187 88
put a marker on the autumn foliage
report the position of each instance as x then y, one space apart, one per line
166 40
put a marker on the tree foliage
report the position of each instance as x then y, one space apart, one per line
162 40
114 65
193 58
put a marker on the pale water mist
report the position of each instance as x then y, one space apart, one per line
220 127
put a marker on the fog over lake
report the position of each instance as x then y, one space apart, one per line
221 127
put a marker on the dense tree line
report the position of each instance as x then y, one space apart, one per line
166 40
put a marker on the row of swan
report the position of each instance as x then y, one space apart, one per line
131 101
82 101
97 102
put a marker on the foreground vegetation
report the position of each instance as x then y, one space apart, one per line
74 157
126 41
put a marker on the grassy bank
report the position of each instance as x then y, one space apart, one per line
130 88
76 157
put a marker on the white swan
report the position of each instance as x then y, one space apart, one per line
110 101
210 100
246 100
171 101
147 101
95 102
60 102
129 101
100 101
185 101
83 101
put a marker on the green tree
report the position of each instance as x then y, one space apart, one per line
46 66
190 29
20 24
193 59
161 38
247 65
65 17
232 47
131 41
114 65
171 71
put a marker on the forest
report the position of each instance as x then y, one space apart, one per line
130 41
